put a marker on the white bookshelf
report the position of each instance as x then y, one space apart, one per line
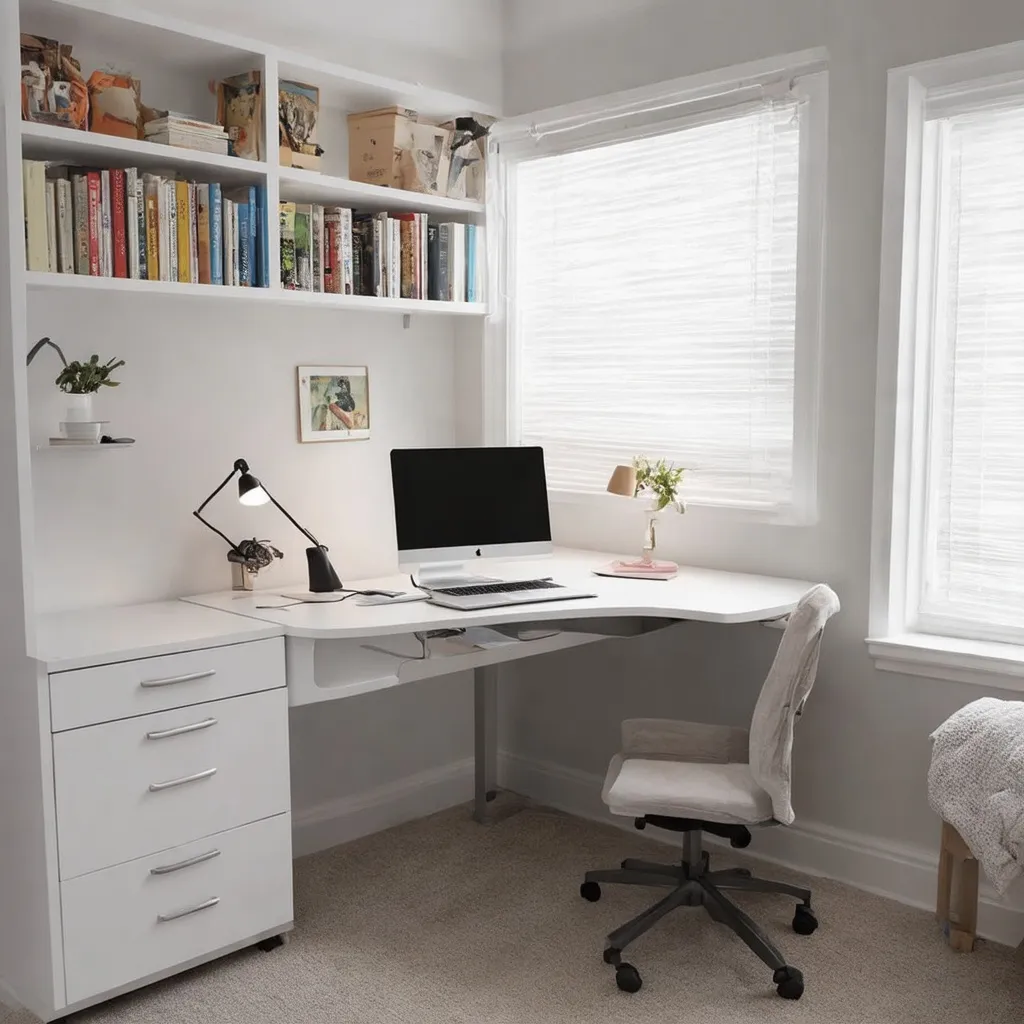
114 286
184 58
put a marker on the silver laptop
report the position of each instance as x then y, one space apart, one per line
500 593
456 505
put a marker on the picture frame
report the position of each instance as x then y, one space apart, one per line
334 403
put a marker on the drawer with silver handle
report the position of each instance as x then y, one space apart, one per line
158 781
90 696
131 921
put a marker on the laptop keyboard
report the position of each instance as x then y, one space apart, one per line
512 587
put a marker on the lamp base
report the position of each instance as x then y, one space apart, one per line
322 577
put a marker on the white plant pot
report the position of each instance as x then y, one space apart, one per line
79 409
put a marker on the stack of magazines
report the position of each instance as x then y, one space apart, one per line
187 132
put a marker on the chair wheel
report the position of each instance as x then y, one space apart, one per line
804 921
627 977
640 823
789 982
742 841
590 891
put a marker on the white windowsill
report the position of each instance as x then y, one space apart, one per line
979 662
784 516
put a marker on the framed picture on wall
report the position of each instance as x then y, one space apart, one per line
334 403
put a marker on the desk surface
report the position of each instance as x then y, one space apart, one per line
95 636
704 595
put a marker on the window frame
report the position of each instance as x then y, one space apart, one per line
651 110
901 638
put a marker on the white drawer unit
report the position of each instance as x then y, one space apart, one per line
131 788
149 915
108 692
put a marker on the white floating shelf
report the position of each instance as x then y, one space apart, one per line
47 142
79 447
298 185
38 280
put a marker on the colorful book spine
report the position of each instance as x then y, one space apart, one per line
80 204
173 232
151 234
50 193
286 220
245 253
236 255
216 236
95 223
433 263
316 224
470 263
34 189
331 222
303 252
118 233
348 273
163 233
407 255
253 281
444 245
262 237
203 234
106 227
228 240
184 232
65 227
193 233
131 220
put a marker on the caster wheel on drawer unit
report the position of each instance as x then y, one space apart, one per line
268 945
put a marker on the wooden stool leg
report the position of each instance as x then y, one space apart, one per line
945 889
957 865
962 937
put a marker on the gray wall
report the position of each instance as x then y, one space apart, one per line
862 748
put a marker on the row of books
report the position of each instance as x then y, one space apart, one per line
122 223
335 249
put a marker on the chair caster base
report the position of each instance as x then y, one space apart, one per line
804 921
269 945
628 979
789 982
590 891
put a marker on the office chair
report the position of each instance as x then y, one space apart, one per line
694 778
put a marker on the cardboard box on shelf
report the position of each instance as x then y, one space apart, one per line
115 105
467 167
390 147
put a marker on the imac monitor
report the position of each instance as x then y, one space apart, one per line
458 504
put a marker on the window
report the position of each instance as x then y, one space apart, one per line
949 501
662 295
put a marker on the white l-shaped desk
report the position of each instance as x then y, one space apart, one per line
161 734
336 650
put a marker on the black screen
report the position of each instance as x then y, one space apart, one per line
469 497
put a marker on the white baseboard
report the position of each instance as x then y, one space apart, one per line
900 872
340 821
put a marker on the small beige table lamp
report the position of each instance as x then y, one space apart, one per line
623 483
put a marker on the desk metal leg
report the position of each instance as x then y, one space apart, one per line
485 704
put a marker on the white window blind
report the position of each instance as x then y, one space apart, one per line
972 580
654 291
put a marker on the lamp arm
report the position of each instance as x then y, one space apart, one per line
220 488
298 526
223 536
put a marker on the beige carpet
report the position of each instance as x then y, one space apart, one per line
443 922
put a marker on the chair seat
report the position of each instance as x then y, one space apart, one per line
727 793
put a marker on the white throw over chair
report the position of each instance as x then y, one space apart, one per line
695 778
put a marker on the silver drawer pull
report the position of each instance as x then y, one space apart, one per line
148 684
175 914
167 869
181 730
156 787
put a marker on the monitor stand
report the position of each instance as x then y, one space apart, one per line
438 575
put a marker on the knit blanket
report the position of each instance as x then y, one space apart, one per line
976 783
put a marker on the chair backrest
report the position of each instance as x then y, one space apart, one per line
782 697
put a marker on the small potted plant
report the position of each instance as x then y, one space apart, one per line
660 482
79 382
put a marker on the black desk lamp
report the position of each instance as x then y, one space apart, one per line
322 577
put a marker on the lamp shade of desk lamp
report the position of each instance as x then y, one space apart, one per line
322 577
623 483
